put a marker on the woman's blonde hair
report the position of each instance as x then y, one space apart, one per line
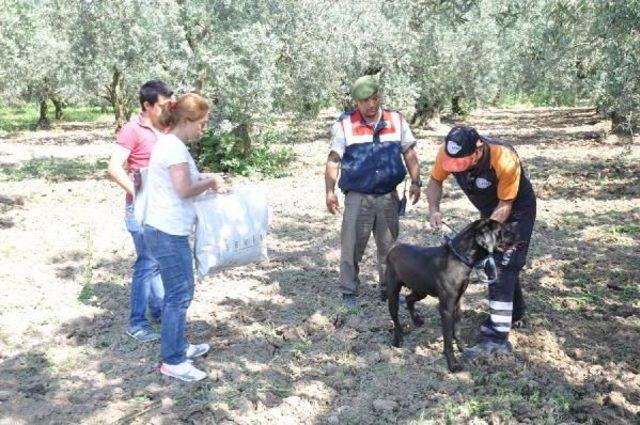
190 107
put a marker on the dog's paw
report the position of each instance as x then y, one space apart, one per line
519 324
417 320
455 367
397 340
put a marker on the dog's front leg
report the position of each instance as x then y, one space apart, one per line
447 315
393 301
456 327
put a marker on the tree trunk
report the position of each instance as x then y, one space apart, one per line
43 121
116 98
456 105
59 104
620 124
243 133
428 116
201 79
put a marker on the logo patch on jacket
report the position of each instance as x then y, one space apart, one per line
482 183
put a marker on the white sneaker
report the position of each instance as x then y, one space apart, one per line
184 371
197 350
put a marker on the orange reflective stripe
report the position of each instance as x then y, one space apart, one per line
359 128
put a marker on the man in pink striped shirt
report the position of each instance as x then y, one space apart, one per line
131 153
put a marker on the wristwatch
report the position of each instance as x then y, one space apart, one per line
417 183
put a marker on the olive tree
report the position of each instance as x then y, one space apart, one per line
35 64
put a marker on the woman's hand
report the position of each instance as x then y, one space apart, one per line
216 182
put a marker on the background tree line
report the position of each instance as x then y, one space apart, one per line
260 58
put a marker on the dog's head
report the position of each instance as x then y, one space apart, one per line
493 235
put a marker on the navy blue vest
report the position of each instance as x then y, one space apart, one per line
372 160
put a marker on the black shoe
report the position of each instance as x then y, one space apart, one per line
349 300
487 348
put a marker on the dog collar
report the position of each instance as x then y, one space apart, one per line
488 263
459 256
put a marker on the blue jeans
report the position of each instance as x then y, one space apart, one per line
174 257
146 285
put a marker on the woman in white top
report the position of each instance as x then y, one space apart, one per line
172 181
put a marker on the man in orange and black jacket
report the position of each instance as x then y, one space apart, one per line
491 174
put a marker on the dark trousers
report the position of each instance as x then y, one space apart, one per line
506 303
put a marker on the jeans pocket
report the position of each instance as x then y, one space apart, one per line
130 219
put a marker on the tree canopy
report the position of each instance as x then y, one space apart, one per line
255 58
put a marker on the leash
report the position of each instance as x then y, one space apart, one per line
450 227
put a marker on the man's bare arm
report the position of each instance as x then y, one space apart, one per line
116 168
413 166
502 211
330 178
434 195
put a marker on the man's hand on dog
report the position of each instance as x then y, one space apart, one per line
436 220
332 203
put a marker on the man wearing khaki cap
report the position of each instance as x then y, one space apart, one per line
368 145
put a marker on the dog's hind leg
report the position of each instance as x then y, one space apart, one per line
412 298
393 291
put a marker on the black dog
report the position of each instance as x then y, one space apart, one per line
442 272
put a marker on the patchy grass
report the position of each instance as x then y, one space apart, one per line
54 169
628 229
21 118
24 117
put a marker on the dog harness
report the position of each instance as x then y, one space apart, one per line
488 263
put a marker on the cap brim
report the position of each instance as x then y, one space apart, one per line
456 165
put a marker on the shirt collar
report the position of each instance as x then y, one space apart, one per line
379 117
143 121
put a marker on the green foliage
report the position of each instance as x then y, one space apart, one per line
630 228
20 118
53 169
225 152
263 57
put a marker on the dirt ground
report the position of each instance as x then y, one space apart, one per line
284 350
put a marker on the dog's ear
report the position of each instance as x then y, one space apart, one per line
488 235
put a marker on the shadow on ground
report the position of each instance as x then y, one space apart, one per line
285 349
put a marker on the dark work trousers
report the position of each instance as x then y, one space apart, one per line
506 303
365 214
